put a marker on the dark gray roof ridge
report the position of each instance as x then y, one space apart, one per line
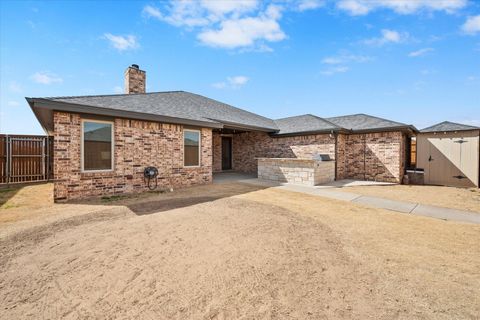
305 123
333 124
239 109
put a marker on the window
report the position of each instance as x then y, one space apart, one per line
191 148
97 145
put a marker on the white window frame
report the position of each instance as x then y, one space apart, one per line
82 146
199 147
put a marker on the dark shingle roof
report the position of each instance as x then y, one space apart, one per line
176 104
192 109
359 122
304 123
446 126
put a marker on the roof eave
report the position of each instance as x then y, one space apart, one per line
311 132
42 116
459 130
240 126
406 128
46 104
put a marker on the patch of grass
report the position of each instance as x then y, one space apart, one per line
113 198
5 195
158 191
7 206
7 190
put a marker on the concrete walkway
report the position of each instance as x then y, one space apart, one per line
376 202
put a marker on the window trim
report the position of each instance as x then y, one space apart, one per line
199 148
82 137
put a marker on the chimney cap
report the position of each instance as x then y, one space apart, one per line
135 66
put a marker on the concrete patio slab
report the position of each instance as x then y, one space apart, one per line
446 213
377 202
329 193
352 183
400 206
231 176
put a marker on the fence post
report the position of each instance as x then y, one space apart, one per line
47 158
7 159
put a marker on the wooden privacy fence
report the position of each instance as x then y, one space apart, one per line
25 158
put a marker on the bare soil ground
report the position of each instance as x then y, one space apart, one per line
234 251
449 197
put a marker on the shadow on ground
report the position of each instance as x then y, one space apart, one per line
189 197
6 193
159 201
167 204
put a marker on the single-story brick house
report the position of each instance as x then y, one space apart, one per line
103 143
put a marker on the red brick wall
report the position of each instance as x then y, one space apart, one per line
138 144
373 156
250 145
217 152
341 158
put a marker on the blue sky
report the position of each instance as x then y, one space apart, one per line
414 61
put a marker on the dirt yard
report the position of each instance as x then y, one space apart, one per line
450 197
233 251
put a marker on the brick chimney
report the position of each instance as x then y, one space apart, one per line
135 79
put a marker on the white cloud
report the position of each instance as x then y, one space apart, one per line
420 52
232 82
220 8
237 80
245 32
353 7
122 43
340 62
118 89
334 70
151 11
244 24
219 85
363 7
180 13
14 87
45 78
304 5
472 25
13 103
346 58
388 36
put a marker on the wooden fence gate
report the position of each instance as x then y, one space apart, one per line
25 158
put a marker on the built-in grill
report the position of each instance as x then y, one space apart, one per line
322 157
